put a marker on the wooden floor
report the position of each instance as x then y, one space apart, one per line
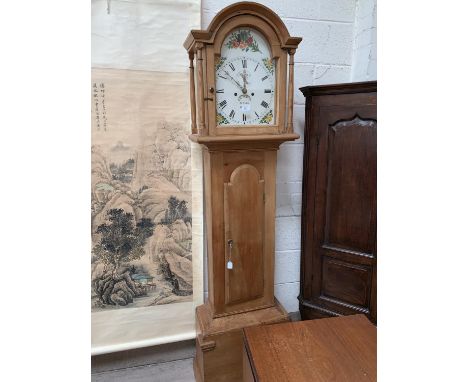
173 371
169 362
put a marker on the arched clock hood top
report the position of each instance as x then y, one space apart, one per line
237 9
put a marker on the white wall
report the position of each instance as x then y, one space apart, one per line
324 56
365 42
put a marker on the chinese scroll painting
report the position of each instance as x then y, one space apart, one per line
141 212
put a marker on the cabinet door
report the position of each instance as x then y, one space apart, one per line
244 228
343 243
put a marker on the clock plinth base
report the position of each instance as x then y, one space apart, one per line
219 341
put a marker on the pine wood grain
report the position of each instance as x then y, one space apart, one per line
201 91
193 111
239 194
289 127
244 229
219 341
206 44
340 349
254 288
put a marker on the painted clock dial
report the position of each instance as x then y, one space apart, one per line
245 80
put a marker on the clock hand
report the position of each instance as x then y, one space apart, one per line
232 78
244 77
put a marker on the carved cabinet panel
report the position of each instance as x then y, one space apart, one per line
339 249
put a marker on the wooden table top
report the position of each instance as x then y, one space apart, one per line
340 349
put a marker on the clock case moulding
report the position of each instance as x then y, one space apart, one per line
239 165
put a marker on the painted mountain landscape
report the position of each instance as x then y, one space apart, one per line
140 193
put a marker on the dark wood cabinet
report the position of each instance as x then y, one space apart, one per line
339 202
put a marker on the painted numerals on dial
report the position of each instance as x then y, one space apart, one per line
245 80
245 92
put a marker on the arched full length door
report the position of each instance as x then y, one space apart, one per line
244 228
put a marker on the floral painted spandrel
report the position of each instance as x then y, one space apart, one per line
243 40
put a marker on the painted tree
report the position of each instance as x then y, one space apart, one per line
121 241
176 209
123 172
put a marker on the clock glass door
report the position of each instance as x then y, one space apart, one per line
245 80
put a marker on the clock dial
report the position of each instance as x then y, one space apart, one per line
245 81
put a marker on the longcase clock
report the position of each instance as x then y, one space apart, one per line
242 110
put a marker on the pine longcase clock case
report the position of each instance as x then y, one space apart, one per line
242 111
246 49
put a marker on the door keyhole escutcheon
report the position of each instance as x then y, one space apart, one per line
229 264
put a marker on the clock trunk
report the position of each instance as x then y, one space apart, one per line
239 207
